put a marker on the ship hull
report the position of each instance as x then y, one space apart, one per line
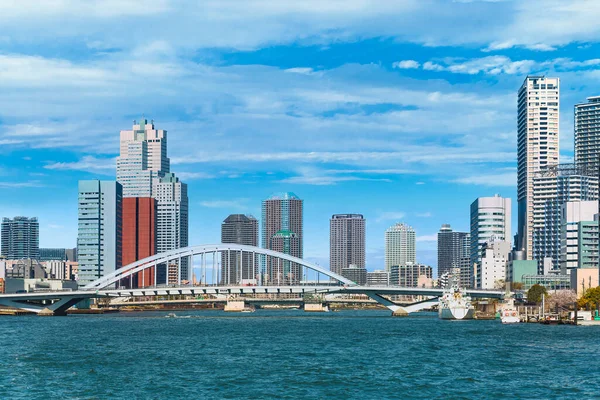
456 313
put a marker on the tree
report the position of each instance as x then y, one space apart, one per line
562 298
534 294
590 299
516 286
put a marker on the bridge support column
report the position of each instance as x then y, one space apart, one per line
235 306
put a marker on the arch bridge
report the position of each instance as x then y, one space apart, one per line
224 269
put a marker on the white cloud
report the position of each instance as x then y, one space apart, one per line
424 214
188 176
228 203
427 238
406 64
502 179
18 185
87 163
390 216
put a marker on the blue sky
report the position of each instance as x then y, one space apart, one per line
399 110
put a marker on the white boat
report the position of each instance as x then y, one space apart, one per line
508 313
455 304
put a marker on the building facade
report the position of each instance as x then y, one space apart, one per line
236 268
552 187
49 254
282 228
356 274
400 246
139 235
20 238
491 270
283 271
490 220
99 231
409 275
579 236
587 133
346 241
538 124
453 249
378 277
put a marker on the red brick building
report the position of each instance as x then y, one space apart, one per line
139 235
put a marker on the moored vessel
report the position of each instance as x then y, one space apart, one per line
455 304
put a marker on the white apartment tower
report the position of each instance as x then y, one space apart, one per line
537 146
490 221
400 248
143 169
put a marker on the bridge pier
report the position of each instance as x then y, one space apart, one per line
235 306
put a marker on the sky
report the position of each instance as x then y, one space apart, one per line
403 111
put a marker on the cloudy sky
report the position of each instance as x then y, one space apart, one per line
400 110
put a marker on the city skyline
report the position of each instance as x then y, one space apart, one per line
409 122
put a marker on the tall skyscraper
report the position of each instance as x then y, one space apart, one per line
552 187
453 249
537 146
346 242
143 169
99 229
490 220
139 235
400 246
282 230
20 238
239 229
587 133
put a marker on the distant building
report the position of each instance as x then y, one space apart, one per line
20 238
356 274
282 227
99 232
538 122
490 220
400 246
587 133
139 236
346 241
409 275
50 254
517 269
582 279
552 281
453 250
552 187
491 270
378 277
236 268
283 271
579 236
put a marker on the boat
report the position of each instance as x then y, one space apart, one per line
455 304
508 313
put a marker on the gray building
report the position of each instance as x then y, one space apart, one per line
378 277
99 229
453 249
587 133
239 229
346 241
51 254
356 274
409 275
20 238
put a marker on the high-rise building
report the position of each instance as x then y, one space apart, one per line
552 187
587 133
346 241
99 229
139 235
20 238
400 246
453 249
282 230
537 146
237 268
143 169
490 220
579 236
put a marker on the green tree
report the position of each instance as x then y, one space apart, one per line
534 294
590 299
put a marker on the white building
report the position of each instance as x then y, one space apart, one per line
579 236
537 146
99 229
552 187
491 271
400 248
587 133
378 277
490 220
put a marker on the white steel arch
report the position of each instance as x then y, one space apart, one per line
135 267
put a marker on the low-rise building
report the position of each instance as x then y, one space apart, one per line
356 274
552 281
378 277
408 275
519 268
582 279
